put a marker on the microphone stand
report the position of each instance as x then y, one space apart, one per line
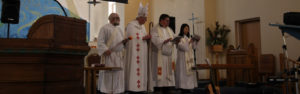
285 28
61 8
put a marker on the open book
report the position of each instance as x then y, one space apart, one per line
196 37
176 39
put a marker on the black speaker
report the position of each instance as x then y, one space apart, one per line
10 11
291 18
172 24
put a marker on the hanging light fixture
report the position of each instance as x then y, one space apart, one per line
94 2
119 1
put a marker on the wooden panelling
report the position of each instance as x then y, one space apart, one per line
63 72
63 87
21 88
21 72
20 58
267 64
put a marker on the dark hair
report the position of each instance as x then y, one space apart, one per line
181 33
162 17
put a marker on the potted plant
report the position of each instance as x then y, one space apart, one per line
217 39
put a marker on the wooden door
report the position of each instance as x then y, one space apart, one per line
248 31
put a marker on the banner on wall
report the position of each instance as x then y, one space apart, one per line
33 10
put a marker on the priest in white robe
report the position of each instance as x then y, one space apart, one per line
136 54
110 47
163 55
185 77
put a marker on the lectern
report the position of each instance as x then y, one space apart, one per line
49 61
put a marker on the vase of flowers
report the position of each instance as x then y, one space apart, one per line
217 39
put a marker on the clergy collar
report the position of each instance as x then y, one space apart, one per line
112 25
162 26
137 22
187 36
137 25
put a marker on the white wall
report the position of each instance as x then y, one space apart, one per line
98 18
120 9
269 11
97 14
182 11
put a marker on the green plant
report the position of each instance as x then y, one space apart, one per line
218 36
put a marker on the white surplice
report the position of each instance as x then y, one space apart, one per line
162 57
185 77
136 58
109 38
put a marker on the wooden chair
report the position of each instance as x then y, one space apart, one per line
93 59
92 73
91 78
266 66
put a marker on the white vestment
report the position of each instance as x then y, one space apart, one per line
136 58
110 37
185 76
162 57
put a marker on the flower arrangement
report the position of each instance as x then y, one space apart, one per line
218 36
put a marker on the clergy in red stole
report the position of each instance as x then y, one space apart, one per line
163 55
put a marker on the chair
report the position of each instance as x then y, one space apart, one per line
266 67
93 59
91 78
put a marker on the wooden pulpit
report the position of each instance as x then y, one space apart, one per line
247 59
49 61
68 31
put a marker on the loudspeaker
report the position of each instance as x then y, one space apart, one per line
291 18
10 11
172 24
